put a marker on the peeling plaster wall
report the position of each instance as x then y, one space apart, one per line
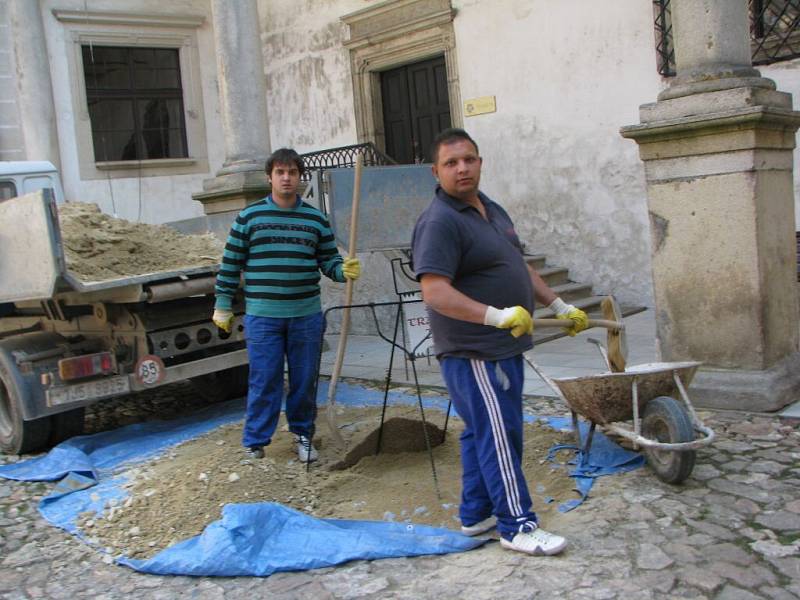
153 199
309 90
12 146
572 74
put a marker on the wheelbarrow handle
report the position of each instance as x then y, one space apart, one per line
615 325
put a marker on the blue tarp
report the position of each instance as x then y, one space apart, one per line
254 539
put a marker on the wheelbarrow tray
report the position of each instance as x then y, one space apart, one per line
608 397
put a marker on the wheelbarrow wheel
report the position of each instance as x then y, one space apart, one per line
665 420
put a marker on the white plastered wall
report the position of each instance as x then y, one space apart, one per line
309 90
566 77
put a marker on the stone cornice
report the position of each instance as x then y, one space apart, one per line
755 116
189 21
394 19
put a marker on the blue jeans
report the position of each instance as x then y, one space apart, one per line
487 395
269 340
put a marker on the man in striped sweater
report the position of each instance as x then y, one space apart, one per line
281 244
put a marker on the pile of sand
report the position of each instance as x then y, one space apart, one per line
177 495
99 247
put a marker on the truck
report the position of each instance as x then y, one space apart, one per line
66 344
19 177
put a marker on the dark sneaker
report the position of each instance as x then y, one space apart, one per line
254 452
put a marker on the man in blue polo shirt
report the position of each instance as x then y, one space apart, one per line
480 296
281 244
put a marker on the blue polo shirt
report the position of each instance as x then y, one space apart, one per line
484 260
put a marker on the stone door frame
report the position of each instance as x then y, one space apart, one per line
393 34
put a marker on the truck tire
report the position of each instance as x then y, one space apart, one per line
66 425
17 436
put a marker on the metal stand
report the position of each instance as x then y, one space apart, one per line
410 356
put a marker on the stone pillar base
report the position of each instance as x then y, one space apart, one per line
741 389
233 191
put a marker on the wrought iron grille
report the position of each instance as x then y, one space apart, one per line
774 32
665 55
344 156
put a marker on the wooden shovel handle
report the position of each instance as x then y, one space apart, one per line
615 325
348 300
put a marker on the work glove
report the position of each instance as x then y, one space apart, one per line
580 319
223 319
516 318
351 268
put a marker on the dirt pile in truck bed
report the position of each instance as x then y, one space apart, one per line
99 247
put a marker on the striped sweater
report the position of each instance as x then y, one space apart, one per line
281 252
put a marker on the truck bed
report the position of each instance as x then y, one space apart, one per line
32 260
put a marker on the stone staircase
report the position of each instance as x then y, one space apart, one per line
578 294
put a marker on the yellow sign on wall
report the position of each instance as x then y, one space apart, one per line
479 106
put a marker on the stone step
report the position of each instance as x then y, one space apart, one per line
589 304
537 261
554 276
572 290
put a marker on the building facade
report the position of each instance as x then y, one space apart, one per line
543 87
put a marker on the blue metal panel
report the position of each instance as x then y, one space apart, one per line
392 198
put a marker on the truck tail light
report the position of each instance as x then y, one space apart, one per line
87 365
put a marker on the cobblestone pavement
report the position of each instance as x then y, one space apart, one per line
731 532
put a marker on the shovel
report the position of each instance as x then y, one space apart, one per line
348 300
616 342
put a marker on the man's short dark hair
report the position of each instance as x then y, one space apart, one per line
284 156
449 136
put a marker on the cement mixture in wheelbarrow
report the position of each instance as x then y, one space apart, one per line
176 496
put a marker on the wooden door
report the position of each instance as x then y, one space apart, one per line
416 107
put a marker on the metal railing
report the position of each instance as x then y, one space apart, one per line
774 32
343 157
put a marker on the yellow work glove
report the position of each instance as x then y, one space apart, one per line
351 268
516 318
223 319
580 320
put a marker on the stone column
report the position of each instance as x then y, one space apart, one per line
717 150
243 105
34 87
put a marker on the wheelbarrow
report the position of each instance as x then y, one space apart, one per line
654 396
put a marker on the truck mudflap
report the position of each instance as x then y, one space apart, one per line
150 373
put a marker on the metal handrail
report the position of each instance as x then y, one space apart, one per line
343 157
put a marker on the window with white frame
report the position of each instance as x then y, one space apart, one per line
136 94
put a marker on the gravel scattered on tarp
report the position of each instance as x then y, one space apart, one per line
175 496
99 247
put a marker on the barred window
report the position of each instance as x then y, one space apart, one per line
774 32
135 102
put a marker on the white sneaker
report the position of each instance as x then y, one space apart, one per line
305 451
533 540
480 527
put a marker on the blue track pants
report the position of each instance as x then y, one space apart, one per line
487 395
269 340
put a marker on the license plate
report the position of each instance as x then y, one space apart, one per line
91 390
